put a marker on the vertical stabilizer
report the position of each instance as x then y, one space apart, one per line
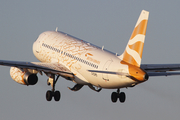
134 48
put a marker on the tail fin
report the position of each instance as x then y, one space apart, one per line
134 48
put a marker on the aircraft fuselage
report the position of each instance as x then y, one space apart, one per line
79 57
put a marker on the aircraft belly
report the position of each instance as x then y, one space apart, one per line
79 79
113 82
121 83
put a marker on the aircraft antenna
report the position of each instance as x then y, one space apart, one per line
56 29
102 47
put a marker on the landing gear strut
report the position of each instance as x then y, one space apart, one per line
52 93
118 94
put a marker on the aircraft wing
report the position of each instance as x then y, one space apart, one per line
54 68
161 69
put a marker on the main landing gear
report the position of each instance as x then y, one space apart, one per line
118 94
52 93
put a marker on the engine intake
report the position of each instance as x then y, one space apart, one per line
30 79
23 77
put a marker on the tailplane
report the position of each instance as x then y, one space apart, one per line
134 48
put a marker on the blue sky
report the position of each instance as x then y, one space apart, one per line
106 23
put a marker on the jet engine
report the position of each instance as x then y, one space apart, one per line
23 77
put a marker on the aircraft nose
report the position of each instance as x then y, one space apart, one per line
35 47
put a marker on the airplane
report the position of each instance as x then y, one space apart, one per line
85 64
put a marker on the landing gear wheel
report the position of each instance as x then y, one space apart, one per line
118 94
57 96
122 97
49 95
114 97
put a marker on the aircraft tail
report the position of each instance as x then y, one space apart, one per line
134 48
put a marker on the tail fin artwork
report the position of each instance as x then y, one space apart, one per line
134 48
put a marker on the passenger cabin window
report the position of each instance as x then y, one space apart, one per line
70 55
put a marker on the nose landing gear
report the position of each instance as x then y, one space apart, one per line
118 94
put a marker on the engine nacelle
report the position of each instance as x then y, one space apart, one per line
23 77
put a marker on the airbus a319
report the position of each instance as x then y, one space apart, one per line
85 64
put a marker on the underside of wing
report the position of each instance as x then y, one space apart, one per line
161 69
53 68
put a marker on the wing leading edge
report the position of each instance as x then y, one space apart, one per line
54 68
